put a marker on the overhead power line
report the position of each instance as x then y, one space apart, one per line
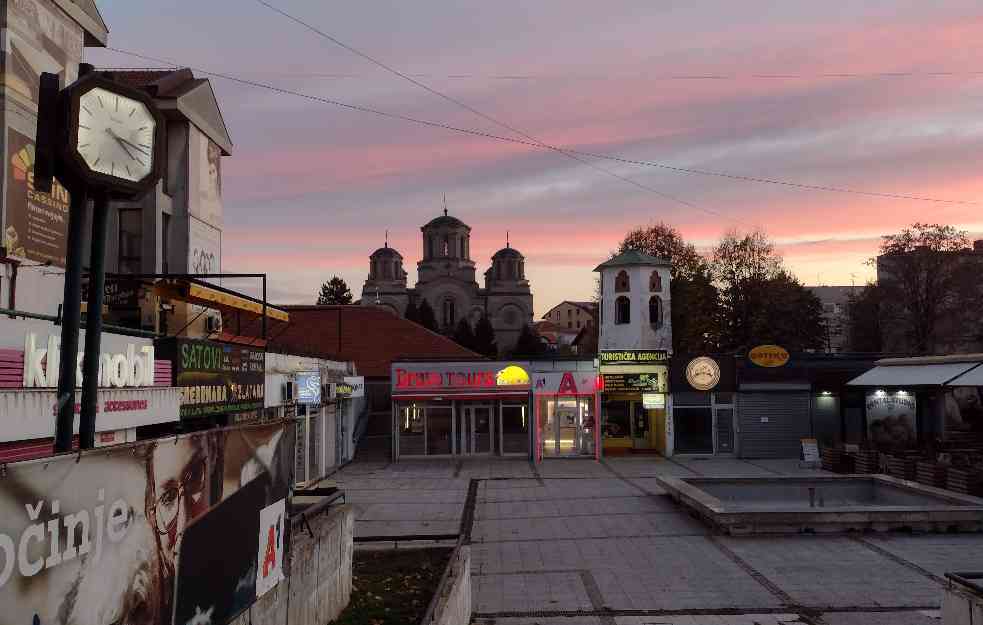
484 115
169 64
617 77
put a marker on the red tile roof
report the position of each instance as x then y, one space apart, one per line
370 337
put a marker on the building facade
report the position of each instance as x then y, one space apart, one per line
446 280
836 316
573 315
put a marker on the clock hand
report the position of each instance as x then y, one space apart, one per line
121 143
134 146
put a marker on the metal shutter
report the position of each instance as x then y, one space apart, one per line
786 420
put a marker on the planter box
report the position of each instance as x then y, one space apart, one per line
901 467
966 481
865 462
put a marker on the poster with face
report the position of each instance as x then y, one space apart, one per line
891 419
95 540
964 409
37 223
40 38
205 201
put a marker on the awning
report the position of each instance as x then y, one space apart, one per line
973 377
912 375
194 292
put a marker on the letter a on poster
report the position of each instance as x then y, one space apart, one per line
272 525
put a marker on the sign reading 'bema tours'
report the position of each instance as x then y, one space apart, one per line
216 378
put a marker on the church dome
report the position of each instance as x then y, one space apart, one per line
446 221
507 252
386 252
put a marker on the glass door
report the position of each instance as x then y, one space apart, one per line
640 426
474 430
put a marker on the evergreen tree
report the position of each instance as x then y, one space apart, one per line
484 338
529 344
334 291
463 335
412 312
426 316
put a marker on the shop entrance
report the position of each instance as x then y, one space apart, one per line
704 423
474 429
568 426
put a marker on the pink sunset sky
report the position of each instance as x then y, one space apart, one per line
311 188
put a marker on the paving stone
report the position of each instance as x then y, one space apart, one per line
834 572
581 526
883 618
525 592
710 619
568 508
938 554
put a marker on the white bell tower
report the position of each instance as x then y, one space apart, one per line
635 303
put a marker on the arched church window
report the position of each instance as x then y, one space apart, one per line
621 283
655 282
463 255
622 311
447 248
429 247
449 314
510 317
655 311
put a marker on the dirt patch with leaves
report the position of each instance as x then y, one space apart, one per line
393 586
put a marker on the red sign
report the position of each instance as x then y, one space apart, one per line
567 385
446 379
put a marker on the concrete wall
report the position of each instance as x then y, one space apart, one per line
452 605
319 574
962 603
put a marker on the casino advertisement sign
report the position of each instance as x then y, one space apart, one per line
656 381
216 378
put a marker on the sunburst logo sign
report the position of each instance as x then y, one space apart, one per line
22 169
512 376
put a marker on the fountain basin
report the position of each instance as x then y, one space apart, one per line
824 504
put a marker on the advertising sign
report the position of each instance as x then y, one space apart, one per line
653 401
891 419
351 386
216 378
94 538
565 382
633 356
269 562
133 367
703 373
964 409
206 180
39 38
439 377
118 293
37 223
653 382
768 356
309 387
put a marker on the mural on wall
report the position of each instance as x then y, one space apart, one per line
94 539
39 38
36 227
206 183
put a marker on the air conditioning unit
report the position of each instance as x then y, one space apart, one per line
213 324
288 391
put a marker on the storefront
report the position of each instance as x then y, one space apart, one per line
635 402
135 388
703 415
567 403
461 409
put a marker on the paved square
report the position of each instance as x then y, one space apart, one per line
577 542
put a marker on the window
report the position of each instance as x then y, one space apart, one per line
621 283
622 310
447 247
655 282
429 247
449 314
655 311
569 313
165 240
463 255
130 240
510 316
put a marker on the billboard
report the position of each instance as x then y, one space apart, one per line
39 38
205 194
36 227
94 538
215 378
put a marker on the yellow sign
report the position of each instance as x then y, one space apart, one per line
768 356
512 375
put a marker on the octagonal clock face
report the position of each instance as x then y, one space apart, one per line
115 135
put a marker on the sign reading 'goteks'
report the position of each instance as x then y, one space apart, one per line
633 356
216 378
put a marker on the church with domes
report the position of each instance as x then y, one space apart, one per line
446 279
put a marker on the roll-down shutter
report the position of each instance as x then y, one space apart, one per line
771 424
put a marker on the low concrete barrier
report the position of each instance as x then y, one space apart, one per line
963 602
451 605
319 573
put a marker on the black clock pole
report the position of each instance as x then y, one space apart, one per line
71 308
93 323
